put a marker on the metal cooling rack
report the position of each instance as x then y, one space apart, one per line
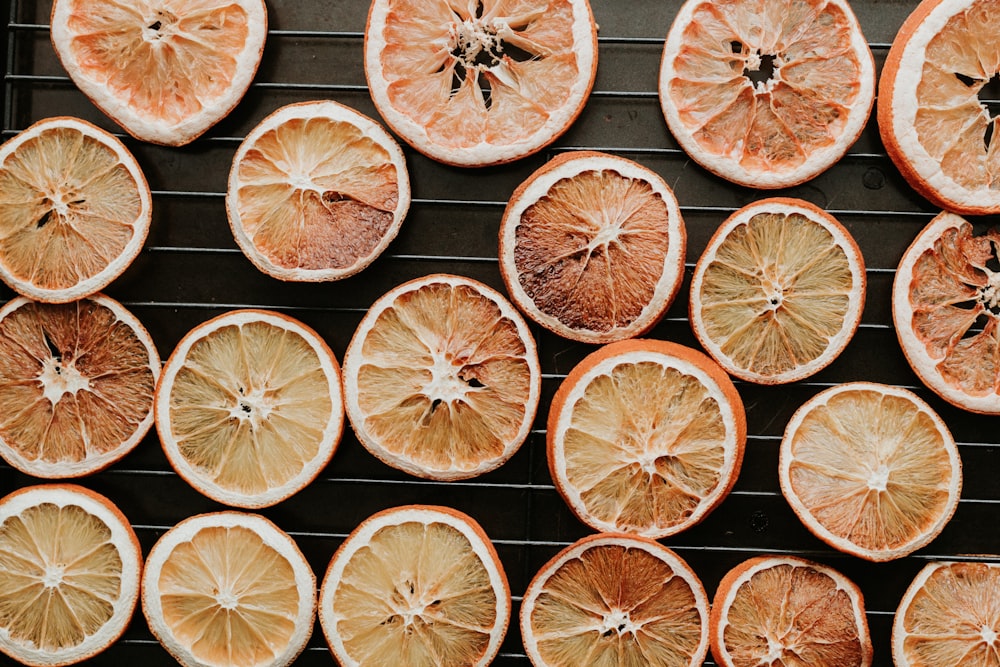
191 270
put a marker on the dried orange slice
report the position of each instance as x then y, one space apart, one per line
778 292
417 585
441 378
783 610
69 574
766 95
249 407
478 83
932 111
615 600
870 469
592 247
316 192
229 589
75 209
645 437
945 306
165 70
948 616
76 385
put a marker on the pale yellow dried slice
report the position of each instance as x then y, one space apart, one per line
229 589
611 599
418 585
316 192
778 292
949 616
75 209
76 385
69 574
441 378
249 407
870 469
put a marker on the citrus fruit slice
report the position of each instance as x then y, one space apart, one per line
615 600
165 70
945 307
870 469
249 407
948 616
479 83
766 95
934 124
69 574
441 378
592 247
316 192
778 292
783 610
229 589
76 385
416 585
75 209
645 437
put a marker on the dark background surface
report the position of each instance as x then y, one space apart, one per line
191 270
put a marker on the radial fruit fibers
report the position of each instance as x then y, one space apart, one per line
480 82
592 247
645 437
766 94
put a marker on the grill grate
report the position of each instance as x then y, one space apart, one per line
191 270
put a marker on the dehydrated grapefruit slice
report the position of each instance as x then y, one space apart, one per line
615 600
69 574
417 585
766 94
249 407
870 469
229 589
76 385
778 292
165 70
645 437
783 610
75 209
316 192
592 247
935 127
480 82
441 378
948 616
946 306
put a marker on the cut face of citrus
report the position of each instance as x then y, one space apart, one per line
441 378
948 616
645 437
249 407
165 70
316 192
420 586
615 600
592 247
69 574
766 95
934 125
480 82
870 469
229 590
74 210
76 385
778 292
788 611
945 308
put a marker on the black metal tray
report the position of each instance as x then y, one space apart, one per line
191 270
